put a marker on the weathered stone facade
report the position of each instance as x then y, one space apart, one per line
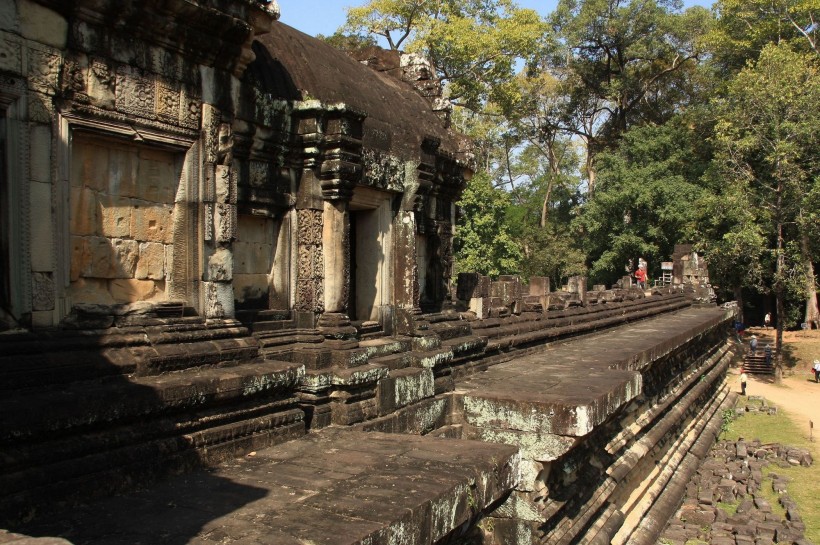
189 154
219 234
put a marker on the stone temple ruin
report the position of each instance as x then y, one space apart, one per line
226 260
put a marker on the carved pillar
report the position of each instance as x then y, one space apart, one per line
219 202
340 171
331 141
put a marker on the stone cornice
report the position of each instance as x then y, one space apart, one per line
216 33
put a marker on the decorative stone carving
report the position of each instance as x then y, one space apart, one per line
43 69
224 222
310 266
135 93
310 226
257 173
222 184
42 291
11 53
220 265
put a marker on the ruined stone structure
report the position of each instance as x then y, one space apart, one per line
219 234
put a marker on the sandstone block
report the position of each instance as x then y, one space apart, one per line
122 170
219 300
40 153
114 216
151 264
83 211
250 287
158 176
89 165
220 265
42 25
152 223
129 290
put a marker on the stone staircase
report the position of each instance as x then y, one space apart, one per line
755 363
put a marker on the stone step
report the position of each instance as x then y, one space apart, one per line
181 356
351 487
404 387
431 359
319 379
463 346
385 346
451 329
66 474
71 409
394 361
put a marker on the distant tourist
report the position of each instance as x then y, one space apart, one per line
753 344
743 378
767 320
768 351
816 369
640 277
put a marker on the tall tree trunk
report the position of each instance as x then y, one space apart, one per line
779 288
812 318
739 300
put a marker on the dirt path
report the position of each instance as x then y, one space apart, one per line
798 396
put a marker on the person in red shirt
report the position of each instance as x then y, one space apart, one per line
640 276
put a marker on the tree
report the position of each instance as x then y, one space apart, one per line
767 140
474 45
483 243
348 42
646 199
745 27
622 63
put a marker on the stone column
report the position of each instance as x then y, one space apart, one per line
340 171
336 246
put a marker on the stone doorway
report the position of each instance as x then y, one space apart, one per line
261 263
370 242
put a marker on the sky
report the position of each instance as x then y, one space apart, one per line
325 16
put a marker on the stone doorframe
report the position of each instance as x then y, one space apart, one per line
13 101
184 282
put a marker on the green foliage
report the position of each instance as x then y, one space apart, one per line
483 243
767 140
473 44
745 27
645 201
348 42
623 63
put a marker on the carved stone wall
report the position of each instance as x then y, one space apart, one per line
311 267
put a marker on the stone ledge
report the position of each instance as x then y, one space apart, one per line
334 487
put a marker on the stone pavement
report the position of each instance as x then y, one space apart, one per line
570 388
336 487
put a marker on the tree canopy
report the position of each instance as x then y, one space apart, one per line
614 129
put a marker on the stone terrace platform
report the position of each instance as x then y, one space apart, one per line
570 388
343 486
336 487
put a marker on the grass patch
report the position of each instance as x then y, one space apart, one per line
730 508
804 482
769 428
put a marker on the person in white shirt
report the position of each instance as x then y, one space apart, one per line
743 378
816 369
